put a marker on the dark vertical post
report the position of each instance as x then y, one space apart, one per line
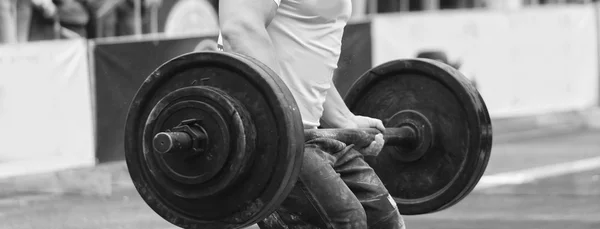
23 18
154 19
373 6
429 5
404 5
137 17
56 26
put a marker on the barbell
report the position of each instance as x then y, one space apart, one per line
215 139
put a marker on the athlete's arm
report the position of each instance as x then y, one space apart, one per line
337 115
243 26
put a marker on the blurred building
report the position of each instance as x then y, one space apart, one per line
383 6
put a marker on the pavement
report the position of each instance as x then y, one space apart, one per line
542 181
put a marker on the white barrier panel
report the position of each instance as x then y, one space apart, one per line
46 120
524 62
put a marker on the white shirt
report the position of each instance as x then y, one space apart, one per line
307 35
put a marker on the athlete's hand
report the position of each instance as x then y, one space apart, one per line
366 122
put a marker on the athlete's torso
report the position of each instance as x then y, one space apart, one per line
307 35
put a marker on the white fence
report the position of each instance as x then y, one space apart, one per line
46 118
526 62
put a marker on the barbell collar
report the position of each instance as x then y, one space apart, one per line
168 142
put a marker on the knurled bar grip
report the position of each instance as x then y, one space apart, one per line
404 136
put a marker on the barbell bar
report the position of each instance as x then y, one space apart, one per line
405 136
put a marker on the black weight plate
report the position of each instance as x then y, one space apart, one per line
276 154
193 174
462 131
291 174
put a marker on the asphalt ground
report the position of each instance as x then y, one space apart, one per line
548 182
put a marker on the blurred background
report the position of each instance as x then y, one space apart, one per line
69 69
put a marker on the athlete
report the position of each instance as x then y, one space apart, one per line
301 41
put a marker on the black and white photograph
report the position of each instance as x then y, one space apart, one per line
299 114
